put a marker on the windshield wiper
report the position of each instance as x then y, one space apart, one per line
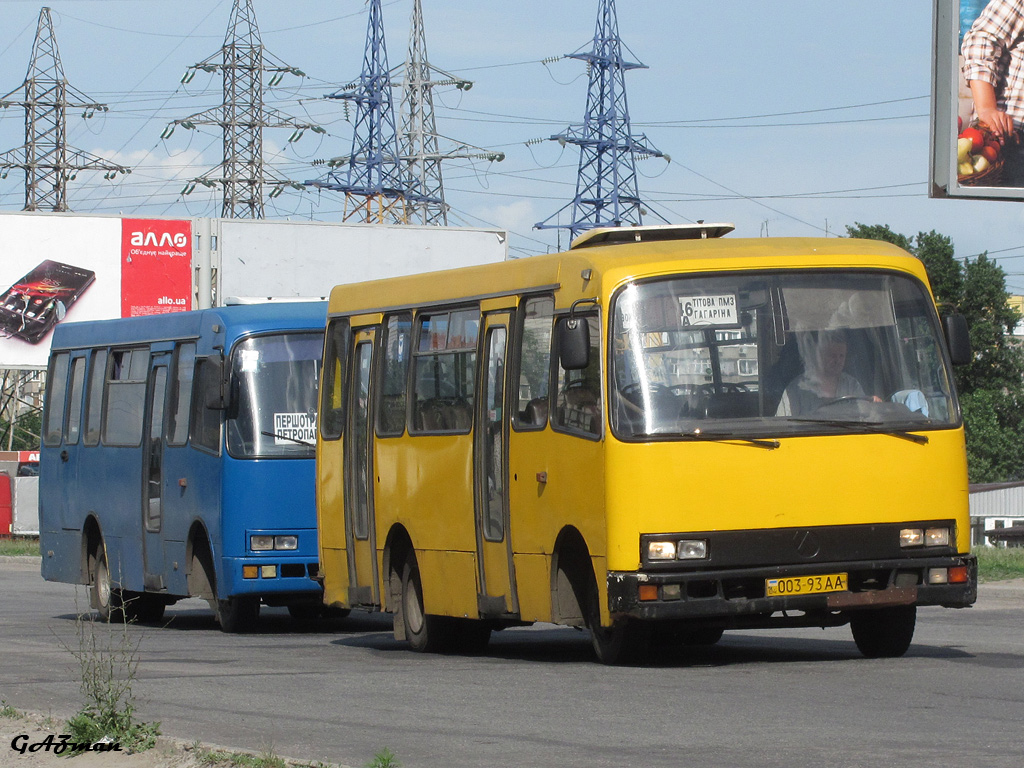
870 427
287 437
700 434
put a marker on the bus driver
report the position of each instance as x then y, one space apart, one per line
824 378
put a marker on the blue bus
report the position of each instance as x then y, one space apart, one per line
178 459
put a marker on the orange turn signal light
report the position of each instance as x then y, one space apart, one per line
648 591
959 574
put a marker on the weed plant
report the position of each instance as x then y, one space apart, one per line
108 661
216 758
384 759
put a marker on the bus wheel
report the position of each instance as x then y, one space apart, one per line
426 634
238 614
626 641
104 597
884 633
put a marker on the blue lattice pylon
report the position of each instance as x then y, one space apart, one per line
606 185
372 176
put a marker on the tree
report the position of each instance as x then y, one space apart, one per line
26 432
991 387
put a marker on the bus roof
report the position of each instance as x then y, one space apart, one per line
596 269
234 321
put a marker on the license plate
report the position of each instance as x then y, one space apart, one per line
806 585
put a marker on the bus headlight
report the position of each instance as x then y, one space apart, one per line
261 543
924 537
936 537
685 549
911 537
692 549
661 550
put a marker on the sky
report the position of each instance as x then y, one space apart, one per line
784 118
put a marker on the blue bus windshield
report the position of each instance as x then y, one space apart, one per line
273 405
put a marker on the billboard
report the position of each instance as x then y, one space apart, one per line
977 115
295 259
58 268
156 266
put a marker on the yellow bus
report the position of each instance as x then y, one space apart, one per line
658 435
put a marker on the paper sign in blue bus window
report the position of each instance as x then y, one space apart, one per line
708 310
292 427
250 360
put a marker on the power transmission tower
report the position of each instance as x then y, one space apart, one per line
420 141
49 163
373 175
243 62
606 185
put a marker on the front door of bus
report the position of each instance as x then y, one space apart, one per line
496 593
359 515
153 475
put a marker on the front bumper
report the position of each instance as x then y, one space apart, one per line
737 596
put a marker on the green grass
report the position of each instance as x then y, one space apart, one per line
1000 563
216 758
25 545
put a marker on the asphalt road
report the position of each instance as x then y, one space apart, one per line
797 699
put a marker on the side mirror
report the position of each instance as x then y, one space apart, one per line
958 339
574 343
211 374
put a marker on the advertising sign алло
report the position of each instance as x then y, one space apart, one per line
156 266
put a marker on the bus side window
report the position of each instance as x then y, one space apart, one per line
181 394
534 363
125 396
579 392
94 397
444 373
74 425
57 382
397 353
332 395
205 428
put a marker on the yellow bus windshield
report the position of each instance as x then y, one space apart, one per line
750 354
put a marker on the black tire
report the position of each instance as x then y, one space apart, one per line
425 633
884 633
238 614
103 595
626 641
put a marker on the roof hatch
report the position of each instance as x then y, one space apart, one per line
613 235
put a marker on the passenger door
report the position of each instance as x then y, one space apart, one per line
359 474
153 474
496 592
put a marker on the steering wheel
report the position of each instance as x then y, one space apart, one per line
636 387
724 387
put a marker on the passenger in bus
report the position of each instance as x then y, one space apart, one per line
824 378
